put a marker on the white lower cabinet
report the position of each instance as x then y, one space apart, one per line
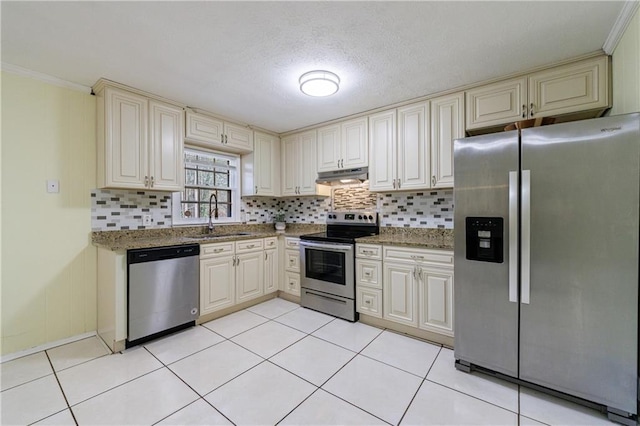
415 287
271 273
249 276
235 272
291 266
369 280
399 290
435 300
217 283
292 283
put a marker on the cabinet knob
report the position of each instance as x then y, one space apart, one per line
256 189
151 181
524 111
146 181
531 112
433 181
394 184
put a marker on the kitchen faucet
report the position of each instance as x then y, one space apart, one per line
215 210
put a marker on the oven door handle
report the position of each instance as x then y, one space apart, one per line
338 247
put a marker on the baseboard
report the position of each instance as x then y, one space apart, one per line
50 345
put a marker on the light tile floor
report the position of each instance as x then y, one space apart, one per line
273 363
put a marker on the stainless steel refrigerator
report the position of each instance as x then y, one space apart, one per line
546 258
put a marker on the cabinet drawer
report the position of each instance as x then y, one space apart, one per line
292 283
369 273
271 242
249 245
291 243
210 250
292 260
403 254
369 301
369 251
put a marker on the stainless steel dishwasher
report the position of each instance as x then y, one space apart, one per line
163 291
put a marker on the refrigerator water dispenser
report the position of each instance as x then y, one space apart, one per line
484 239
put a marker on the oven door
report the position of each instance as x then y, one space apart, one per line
328 267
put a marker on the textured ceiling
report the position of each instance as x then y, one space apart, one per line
243 59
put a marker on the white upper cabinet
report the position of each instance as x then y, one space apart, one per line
140 142
383 149
413 147
497 103
299 166
575 87
399 149
343 145
261 168
447 124
166 165
210 132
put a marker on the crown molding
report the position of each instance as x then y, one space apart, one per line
15 69
616 33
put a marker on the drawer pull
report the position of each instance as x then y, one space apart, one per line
368 251
415 257
367 274
218 250
251 246
368 302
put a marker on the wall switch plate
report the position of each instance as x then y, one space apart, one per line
53 186
146 220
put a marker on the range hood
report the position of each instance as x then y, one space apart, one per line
338 177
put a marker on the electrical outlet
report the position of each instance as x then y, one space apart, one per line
146 220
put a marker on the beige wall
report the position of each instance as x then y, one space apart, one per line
48 263
626 70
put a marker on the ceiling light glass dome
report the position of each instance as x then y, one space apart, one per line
319 83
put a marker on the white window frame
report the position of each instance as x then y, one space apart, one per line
176 197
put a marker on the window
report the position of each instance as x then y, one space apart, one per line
208 175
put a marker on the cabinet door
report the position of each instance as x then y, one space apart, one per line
447 124
413 147
308 164
355 146
399 293
271 271
238 138
290 165
166 165
435 292
497 104
382 149
217 284
266 165
575 87
205 130
292 283
329 148
126 147
249 276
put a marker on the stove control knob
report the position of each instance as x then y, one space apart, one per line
360 217
370 217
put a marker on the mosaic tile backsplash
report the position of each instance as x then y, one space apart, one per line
120 209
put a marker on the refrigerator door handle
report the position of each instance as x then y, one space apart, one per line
526 237
513 237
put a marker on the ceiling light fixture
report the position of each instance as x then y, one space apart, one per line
319 83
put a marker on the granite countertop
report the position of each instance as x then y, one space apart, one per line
439 239
135 239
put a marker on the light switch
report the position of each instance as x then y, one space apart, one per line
53 186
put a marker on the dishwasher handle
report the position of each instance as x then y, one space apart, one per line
161 253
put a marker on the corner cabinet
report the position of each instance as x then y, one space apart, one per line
261 168
210 132
575 87
299 171
140 141
343 145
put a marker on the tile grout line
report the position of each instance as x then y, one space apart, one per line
61 390
470 396
424 379
189 386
